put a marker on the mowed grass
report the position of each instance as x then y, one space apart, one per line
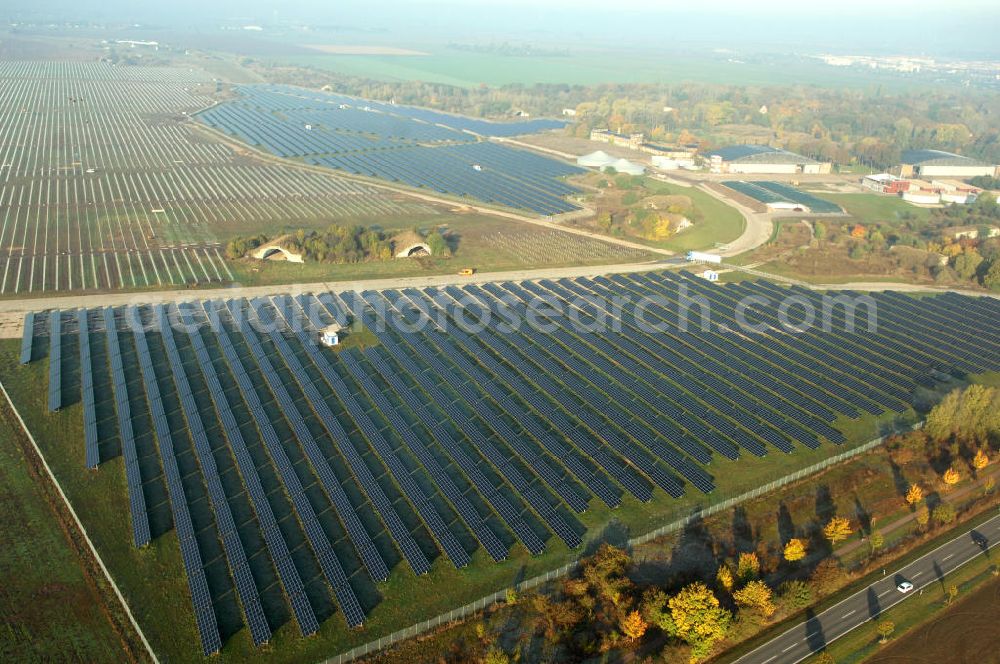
49 610
719 223
154 584
877 209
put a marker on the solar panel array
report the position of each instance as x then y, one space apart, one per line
55 361
767 191
27 335
411 146
441 439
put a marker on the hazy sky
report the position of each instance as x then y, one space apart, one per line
959 27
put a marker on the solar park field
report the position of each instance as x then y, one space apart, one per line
105 183
767 192
349 493
412 146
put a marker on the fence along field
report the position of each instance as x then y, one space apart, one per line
448 448
105 184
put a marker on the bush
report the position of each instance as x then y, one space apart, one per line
796 594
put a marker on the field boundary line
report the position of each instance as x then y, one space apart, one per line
79 524
674 526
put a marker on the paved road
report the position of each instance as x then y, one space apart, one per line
12 311
860 608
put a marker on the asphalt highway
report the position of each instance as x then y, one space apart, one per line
865 605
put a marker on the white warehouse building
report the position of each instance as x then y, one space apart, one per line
938 163
752 159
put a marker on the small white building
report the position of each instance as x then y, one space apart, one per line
710 275
330 335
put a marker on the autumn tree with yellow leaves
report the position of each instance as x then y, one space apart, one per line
837 529
951 477
747 565
980 461
633 626
914 494
725 578
756 595
795 550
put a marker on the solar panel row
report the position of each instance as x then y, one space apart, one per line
55 360
387 512
246 588
591 476
27 337
440 429
421 502
137 499
506 405
92 454
273 538
204 612
327 130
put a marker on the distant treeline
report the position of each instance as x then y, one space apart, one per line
846 126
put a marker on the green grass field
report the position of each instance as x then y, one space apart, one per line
49 609
153 581
585 67
877 209
719 224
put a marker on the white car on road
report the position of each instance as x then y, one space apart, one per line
904 587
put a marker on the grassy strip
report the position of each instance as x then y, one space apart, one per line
52 585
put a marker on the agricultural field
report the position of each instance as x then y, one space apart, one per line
412 146
106 183
277 489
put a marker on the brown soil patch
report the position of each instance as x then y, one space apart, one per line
965 632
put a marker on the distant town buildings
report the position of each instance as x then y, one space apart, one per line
569 112
763 159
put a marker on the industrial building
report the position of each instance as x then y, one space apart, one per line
885 183
602 160
937 163
630 141
762 159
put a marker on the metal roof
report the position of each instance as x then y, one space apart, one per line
939 158
759 154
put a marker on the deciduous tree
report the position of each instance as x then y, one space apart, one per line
876 540
725 578
885 629
633 626
837 530
756 595
697 619
795 550
748 565
914 494
980 461
923 516
951 476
